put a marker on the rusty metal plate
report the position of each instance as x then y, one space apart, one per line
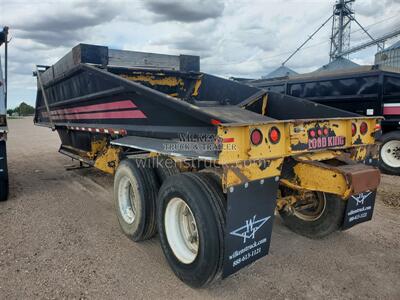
361 177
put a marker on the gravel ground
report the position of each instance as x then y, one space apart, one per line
59 238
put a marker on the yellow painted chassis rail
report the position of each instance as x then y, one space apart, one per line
294 138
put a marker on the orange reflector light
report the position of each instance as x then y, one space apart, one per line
274 135
215 122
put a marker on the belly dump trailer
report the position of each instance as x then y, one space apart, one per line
206 161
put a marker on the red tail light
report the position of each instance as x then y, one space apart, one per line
319 131
326 131
363 128
256 137
312 133
274 135
353 129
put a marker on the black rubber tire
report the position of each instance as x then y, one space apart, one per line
393 135
144 225
205 199
4 187
165 167
330 221
214 180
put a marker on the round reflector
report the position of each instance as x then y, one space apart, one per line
326 131
274 135
256 137
353 129
312 133
319 131
363 128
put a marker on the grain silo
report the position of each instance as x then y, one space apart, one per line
389 57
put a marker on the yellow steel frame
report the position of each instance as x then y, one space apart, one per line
313 176
236 174
108 159
316 178
294 138
242 161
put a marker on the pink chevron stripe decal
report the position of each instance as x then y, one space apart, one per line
96 107
126 114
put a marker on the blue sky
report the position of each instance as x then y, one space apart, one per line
233 37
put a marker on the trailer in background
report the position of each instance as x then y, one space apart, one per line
205 160
3 120
369 91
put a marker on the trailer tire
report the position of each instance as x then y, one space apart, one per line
135 195
4 186
197 256
165 167
4 189
328 221
389 153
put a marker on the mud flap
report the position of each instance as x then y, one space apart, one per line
249 220
359 209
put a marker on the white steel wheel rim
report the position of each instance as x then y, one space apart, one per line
181 230
126 200
317 213
390 153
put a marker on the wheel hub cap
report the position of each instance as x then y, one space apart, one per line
390 153
312 208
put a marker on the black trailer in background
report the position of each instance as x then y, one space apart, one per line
3 119
369 90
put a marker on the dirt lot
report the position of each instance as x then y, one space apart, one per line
59 238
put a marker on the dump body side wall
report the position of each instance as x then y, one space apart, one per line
282 107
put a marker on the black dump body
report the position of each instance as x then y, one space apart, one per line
152 95
366 90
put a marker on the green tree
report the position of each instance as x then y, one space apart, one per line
25 109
